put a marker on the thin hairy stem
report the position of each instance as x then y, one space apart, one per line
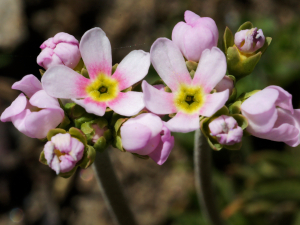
203 179
111 190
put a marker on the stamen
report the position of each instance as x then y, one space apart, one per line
189 99
103 89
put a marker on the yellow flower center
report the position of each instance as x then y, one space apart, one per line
189 99
58 154
103 88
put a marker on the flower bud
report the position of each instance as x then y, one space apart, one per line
62 49
146 134
194 36
225 83
250 40
63 152
226 130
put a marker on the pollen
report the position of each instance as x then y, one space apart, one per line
103 88
189 99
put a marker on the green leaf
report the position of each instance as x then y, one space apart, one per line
235 108
245 26
54 132
42 158
68 174
88 157
77 111
76 133
64 124
228 39
119 123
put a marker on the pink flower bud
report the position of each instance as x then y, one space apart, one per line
36 116
62 49
271 116
63 152
98 132
146 134
226 130
196 35
225 83
248 41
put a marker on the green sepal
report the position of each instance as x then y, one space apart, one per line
100 144
76 133
119 123
267 43
191 65
172 115
236 146
86 128
42 158
127 89
167 89
68 174
113 69
118 143
85 118
141 156
235 108
192 74
65 123
107 134
223 111
232 96
85 73
244 96
241 65
241 120
228 39
79 66
246 26
54 132
160 81
42 72
88 157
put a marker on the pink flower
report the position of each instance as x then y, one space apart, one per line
62 49
102 89
226 130
63 152
225 83
190 97
248 41
146 134
270 115
196 35
36 116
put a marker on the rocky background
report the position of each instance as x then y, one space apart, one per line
260 184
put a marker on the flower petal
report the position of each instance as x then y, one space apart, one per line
211 69
95 50
284 99
49 151
63 82
128 103
39 123
169 63
42 100
260 111
158 101
66 163
163 150
28 85
133 68
135 137
77 149
183 123
214 102
19 122
91 106
16 107
55 164
62 142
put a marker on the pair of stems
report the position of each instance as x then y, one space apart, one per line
117 204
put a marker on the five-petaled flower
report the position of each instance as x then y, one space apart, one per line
190 97
102 89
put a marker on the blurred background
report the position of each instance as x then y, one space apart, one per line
260 184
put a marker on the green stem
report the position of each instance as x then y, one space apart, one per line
203 179
111 190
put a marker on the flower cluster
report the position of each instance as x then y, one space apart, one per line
106 107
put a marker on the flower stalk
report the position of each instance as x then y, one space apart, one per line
111 190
